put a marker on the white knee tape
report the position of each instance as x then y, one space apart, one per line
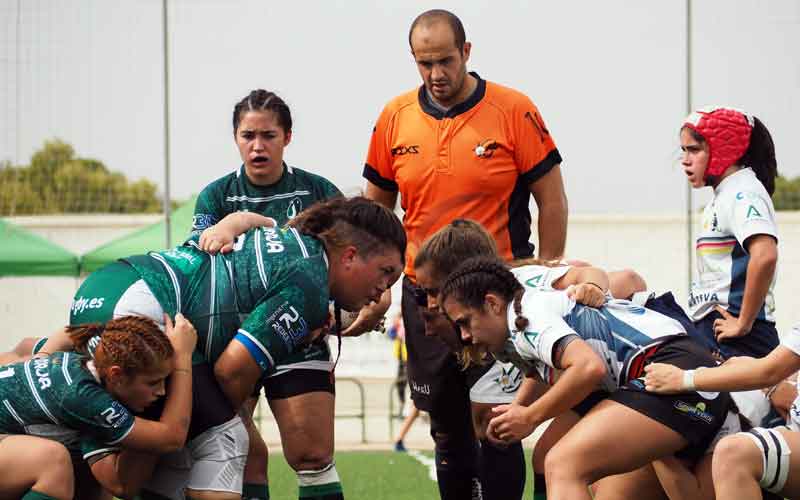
774 457
325 475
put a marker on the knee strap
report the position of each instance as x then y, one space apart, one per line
775 453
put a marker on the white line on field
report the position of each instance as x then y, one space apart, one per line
426 461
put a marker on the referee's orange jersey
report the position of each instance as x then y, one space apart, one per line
474 161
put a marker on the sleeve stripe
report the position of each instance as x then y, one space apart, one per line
257 350
99 451
126 432
537 171
372 175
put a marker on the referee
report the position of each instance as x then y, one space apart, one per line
462 147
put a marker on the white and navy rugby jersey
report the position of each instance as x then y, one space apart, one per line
741 208
539 277
618 332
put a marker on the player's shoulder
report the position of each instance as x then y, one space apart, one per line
311 179
406 101
506 96
221 184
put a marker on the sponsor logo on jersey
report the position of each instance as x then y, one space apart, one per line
405 150
272 240
114 416
41 372
485 148
81 304
202 221
422 389
295 207
535 282
289 325
509 380
697 412
699 298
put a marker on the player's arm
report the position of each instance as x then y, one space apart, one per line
551 200
763 250
124 472
736 374
624 283
221 236
530 390
169 432
237 372
586 285
57 342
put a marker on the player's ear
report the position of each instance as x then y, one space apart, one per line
466 51
493 303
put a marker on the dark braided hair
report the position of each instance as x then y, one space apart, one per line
134 343
478 276
357 221
263 100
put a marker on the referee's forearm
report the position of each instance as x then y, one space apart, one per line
552 228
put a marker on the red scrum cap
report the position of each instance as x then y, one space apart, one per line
727 133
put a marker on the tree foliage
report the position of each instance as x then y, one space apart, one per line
787 193
57 181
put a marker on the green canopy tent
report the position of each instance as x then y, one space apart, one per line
143 240
23 253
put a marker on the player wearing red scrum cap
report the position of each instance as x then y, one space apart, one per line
731 300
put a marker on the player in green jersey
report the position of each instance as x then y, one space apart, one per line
266 191
86 404
281 280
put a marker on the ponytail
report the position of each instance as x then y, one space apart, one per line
760 156
357 221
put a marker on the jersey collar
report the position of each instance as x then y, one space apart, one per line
463 107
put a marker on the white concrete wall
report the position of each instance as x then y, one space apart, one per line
655 246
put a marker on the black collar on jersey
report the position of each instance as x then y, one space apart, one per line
462 107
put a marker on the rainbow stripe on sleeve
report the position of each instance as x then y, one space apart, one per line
715 246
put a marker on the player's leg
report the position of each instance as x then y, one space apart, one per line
438 387
501 468
306 424
256 483
35 468
611 439
641 484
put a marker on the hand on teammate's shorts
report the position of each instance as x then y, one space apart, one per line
663 379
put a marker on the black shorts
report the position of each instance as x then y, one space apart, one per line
695 416
761 340
210 406
298 381
438 383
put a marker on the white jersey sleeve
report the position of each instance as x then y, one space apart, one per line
750 215
539 277
545 312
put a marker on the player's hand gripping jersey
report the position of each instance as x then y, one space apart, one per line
268 294
59 398
620 332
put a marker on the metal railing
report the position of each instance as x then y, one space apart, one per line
362 414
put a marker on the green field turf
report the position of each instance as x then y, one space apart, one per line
370 475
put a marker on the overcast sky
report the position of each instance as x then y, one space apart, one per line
608 76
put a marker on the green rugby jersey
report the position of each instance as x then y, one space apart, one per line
59 398
294 191
269 293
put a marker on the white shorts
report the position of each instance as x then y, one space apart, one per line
213 461
498 385
731 425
